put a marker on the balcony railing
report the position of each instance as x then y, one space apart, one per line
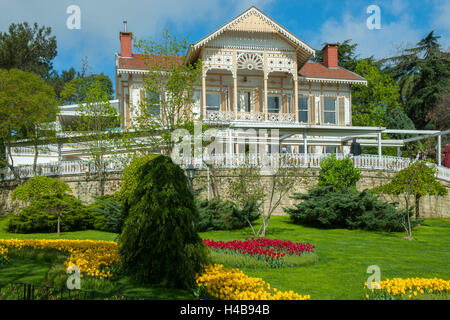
367 162
249 116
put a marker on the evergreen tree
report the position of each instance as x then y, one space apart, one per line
422 73
28 48
159 243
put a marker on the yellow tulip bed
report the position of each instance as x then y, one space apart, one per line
92 257
3 252
411 288
233 284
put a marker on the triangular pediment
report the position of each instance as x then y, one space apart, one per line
253 20
253 23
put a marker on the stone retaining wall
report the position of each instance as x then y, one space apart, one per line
85 188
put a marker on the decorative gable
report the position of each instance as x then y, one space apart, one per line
253 23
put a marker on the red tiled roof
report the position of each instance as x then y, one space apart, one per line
137 61
318 70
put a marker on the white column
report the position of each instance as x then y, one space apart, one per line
439 147
204 96
379 146
266 101
296 99
235 97
305 143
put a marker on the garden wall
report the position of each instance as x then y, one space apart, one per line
85 187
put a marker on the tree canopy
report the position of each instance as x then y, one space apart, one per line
417 180
27 106
39 187
422 73
77 90
372 104
28 48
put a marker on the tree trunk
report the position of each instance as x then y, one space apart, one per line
36 154
11 166
58 230
417 207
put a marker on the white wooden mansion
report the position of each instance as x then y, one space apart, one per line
256 77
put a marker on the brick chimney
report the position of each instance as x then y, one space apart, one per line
125 42
330 55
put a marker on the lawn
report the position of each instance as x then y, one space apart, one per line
344 256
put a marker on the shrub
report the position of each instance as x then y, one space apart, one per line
57 276
40 216
159 243
218 214
39 187
345 208
108 214
130 177
338 173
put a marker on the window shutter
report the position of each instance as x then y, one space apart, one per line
223 101
283 103
311 110
231 91
321 108
347 111
317 110
341 113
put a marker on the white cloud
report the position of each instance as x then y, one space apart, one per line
441 22
101 22
380 43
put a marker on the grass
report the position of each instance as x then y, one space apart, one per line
77 235
344 256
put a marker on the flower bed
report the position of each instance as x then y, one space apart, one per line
233 284
92 257
411 288
271 251
3 252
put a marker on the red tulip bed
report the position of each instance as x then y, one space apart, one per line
272 251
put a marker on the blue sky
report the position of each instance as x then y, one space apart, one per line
403 23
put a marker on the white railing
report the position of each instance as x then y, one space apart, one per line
366 162
290 160
249 116
443 173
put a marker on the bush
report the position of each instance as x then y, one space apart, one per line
218 214
159 243
130 177
338 173
345 208
108 214
41 217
